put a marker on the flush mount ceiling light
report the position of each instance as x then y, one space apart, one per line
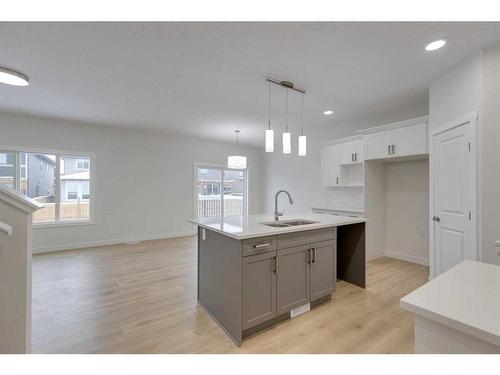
437 44
11 77
237 161
328 112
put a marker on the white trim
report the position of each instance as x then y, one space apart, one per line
16 199
35 150
471 118
343 140
395 125
120 241
405 257
69 223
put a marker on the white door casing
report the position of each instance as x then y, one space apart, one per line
453 201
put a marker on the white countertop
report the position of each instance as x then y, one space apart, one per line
242 227
465 298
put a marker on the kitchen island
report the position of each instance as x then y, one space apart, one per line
458 311
254 271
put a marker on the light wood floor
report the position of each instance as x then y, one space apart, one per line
142 299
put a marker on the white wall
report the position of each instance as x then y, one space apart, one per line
406 186
301 176
456 94
489 161
144 181
475 85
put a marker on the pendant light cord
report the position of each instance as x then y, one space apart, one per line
302 117
286 112
269 108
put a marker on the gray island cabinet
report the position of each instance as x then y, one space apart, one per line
249 284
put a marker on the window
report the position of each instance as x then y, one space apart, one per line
82 163
75 188
72 191
221 192
7 176
62 183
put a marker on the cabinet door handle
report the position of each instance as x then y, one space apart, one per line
356 156
393 148
313 255
308 256
352 157
389 149
275 264
337 180
261 245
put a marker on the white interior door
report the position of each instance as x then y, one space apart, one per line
453 196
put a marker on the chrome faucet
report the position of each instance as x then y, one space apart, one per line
277 214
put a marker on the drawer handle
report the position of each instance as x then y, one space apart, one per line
261 245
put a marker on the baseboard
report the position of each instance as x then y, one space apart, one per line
406 257
119 241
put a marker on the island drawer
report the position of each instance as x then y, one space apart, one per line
306 237
258 245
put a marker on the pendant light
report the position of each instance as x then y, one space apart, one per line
302 137
287 146
269 131
237 161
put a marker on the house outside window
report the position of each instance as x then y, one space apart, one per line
62 183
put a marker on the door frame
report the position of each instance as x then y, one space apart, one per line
471 118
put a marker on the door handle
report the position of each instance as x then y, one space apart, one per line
314 255
308 256
436 219
275 264
389 149
356 156
337 180
352 157
393 148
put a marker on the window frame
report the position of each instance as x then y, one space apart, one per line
221 168
58 153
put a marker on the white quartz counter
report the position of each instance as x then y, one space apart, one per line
465 298
242 227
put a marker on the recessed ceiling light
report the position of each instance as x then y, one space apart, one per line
437 44
328 112
11 77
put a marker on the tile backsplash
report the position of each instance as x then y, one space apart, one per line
345 197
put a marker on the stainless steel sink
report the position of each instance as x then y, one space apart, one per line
288 223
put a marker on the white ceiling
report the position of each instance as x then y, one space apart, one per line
206 79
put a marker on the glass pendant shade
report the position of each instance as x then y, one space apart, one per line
287 146
302 145
237 162
269 140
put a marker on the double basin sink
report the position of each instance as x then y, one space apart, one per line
288 223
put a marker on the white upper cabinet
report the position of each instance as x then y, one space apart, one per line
351 152
346 152
378 145
359 156
410 140
402 141
330 167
